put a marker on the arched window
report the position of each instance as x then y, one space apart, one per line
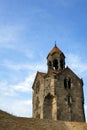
55 64
62 64
67 83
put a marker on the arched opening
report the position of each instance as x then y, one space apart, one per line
55 64
61 64
47 110
67 83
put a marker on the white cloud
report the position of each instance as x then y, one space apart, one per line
22 86
16 106
28 53
26 85
6 89
9 34
22 108
76 63
11 99
34 66
13 90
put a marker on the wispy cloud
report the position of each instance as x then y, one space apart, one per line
76 63
73 61
34 66
21 87
26 85
28 53
22 107
18 107
9 34
11 97
6 89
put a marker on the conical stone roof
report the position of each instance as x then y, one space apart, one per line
55 50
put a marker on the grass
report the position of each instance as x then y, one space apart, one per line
10 122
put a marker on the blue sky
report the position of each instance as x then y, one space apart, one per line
28 30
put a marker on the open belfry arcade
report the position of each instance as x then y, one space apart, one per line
58 94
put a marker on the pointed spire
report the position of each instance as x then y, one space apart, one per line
55 44
55 49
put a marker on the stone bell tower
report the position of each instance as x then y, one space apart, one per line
56 60
58 94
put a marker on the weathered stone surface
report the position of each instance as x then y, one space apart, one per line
58 94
